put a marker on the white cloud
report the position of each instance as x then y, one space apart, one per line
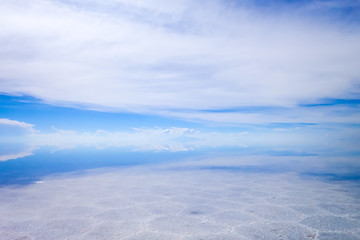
14 140
149 139
14 131
313 139
320 114
8 122
19 154
20 139
159 56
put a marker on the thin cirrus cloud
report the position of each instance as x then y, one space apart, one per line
188 55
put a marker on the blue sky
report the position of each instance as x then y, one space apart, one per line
254 73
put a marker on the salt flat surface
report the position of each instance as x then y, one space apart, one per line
140 203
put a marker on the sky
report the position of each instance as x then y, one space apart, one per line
180 75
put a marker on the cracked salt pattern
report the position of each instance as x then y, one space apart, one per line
188 205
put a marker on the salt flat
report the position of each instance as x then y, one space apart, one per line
169 203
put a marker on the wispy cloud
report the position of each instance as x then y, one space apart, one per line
163 56
20 153
173 139
279 139
14 123
299 114
14 142
19 139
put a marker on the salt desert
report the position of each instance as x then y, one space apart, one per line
181 200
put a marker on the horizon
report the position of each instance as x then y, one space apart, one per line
184 119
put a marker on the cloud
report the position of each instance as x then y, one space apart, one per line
20 139
316 114
145 139
162 57
13 123
20 153
333 139
11 130
14 142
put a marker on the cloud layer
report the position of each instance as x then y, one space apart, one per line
162 57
